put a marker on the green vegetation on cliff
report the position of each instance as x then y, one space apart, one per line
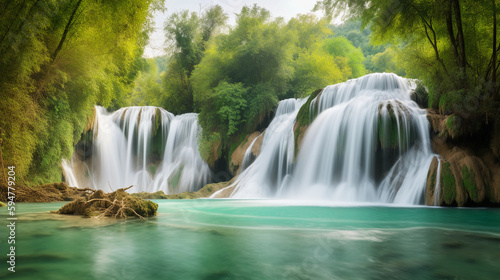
305 116
304 119
465 180
59 59
452 47
448 185
469 182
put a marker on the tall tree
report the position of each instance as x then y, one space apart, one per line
447 45
187 35
59 59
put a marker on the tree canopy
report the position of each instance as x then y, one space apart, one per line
271 60
452 46
59 59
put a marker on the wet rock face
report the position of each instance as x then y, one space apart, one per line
420 95
239 154
469 172
464 180
299 134
432 176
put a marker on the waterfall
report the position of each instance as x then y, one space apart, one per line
69 174
369 143
268 174
183 168
146 147
249 157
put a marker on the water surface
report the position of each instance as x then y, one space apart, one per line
258 239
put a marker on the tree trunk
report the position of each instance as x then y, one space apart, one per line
451 32
66 30
494 55
460 37
4 175
12 22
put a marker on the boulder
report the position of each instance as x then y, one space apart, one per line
464 180
420 95
239 153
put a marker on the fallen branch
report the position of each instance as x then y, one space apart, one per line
118 204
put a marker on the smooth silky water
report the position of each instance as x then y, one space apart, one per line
258 239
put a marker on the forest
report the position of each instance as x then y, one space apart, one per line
60 58
291 139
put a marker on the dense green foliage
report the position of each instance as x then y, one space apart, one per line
340 47
147 87
271 60
388 61
234 77
188 35
361 38
452 46
59 59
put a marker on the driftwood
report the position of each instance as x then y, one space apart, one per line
118 204
46 193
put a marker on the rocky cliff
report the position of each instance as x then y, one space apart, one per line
468 170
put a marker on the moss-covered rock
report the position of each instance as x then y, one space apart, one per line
155 195
469 183
239 153
431 182
453 126
211 148
448 184
391 126
420 95
388 134
475 171
464 180
118 204
204 192
304 118
299 133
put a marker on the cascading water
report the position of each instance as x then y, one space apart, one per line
183 168
266 176
146 147
369 143
249 157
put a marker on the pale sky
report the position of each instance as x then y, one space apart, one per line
278 8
